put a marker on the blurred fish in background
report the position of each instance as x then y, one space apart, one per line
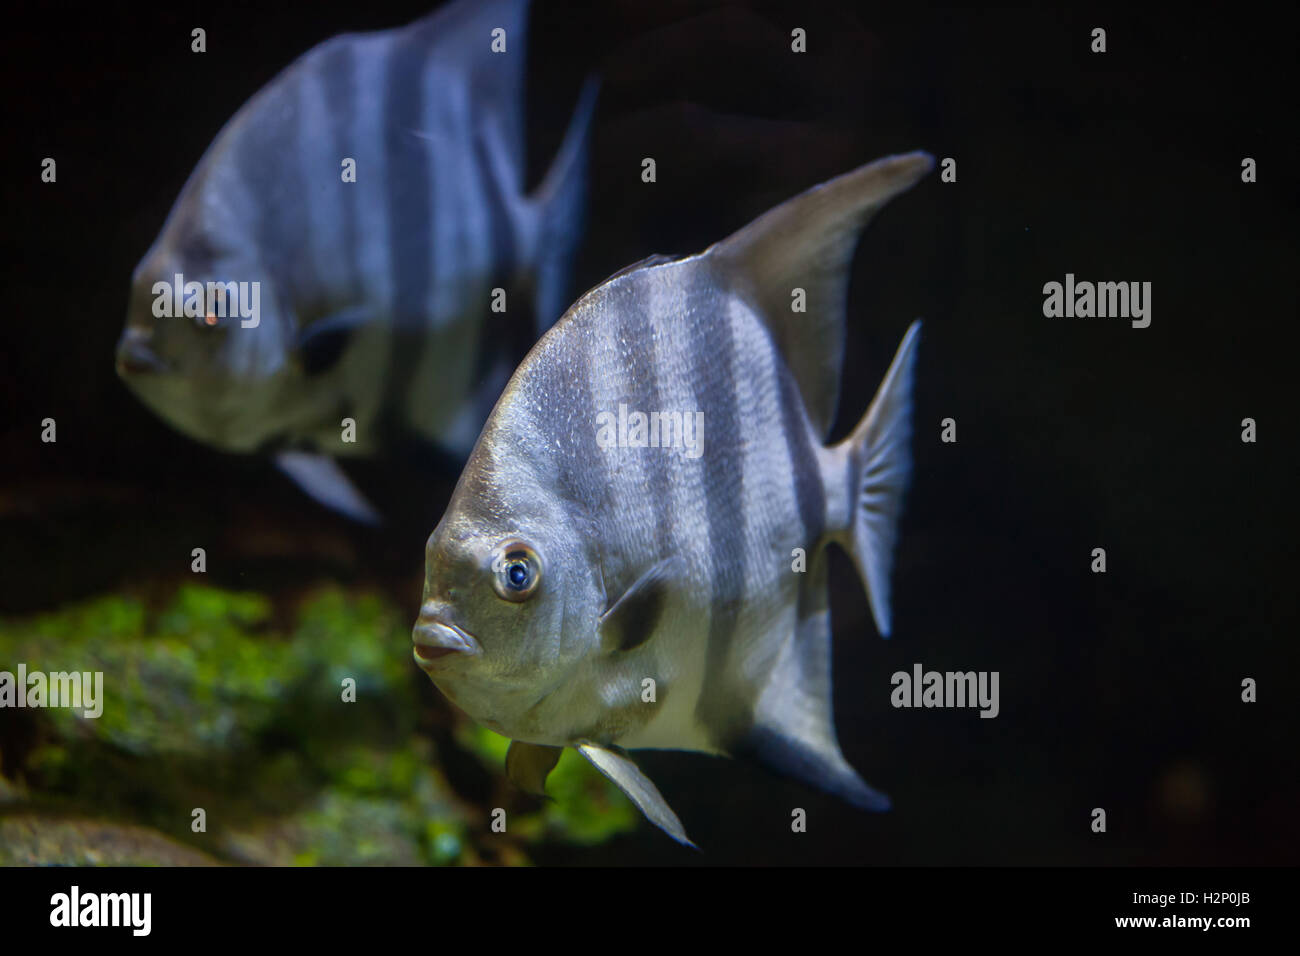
338 251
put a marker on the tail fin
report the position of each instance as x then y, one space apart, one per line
881 461
560 206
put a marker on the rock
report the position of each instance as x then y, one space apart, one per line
27 840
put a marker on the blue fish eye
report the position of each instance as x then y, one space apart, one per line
516 571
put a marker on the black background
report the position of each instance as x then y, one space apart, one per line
1119 690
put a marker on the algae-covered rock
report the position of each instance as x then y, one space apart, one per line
381 807
27 840
207 673
255 733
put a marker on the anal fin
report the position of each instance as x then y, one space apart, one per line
793 733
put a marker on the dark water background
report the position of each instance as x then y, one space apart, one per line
1119 690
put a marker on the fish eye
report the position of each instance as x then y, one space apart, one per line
214 308
516 571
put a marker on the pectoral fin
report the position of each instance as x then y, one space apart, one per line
528 764
324 480
631 619
619 768
322 343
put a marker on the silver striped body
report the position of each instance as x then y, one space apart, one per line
569 574
672 338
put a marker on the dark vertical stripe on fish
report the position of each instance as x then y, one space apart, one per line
410 185
339 79
724 708
637 325
567 421
810 495
268 166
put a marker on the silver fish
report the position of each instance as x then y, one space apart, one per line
568 571
373 297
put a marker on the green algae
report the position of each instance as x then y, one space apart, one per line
584 807
296 732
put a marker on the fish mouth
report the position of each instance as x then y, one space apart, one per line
136 358
436 640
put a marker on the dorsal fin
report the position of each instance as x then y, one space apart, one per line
807 242
651 260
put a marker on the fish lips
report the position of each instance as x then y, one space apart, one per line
437 641
136 358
